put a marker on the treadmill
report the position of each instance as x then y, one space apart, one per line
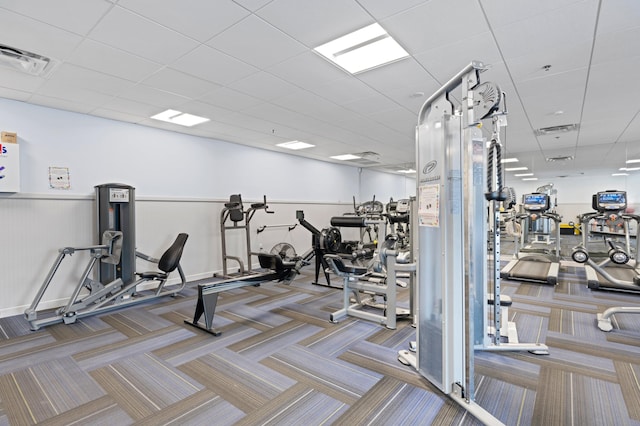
530 263
618 270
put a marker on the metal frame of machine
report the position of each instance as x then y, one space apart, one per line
452 291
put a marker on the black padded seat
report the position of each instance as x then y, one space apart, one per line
341 268
168 261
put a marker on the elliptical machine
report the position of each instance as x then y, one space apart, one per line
619 270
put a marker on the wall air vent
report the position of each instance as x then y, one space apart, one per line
560 158
27 62
552 130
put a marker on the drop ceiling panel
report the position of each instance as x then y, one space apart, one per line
72 76
152 96
228 98
632 132
381 9
618 16
252 5
117 115
414 79
130 107
571 25
73 103
316 22
106 59
198 19
71 15
557 141
447 60
122 29
618 46
212 65
564 59
13 79
371 105
501 13
344 90
596 132
28 34
18 95
268 45
609 93
409 29
400 120
263 86
179 83
307 70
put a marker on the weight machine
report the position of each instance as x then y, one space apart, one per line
234 212
113 262
452 286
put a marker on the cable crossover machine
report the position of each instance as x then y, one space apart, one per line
458 301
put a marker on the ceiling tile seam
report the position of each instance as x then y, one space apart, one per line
586 83
515 88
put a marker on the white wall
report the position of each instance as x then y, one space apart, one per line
181 185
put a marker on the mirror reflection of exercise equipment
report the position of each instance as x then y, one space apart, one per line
531 263
240 219
453 285
118 285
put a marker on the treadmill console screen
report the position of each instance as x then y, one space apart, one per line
612 201
535 202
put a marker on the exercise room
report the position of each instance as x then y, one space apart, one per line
298 212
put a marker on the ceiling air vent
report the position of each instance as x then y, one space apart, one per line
552 130
27 62
368 158
560 158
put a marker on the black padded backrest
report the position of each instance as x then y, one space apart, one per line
271 261
170 259
235 213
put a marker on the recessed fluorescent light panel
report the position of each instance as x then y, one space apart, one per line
515 169
530 179
295 145
509 160
345 157
523 174
637 160
406 171
178 117
362 50
629 169
619 174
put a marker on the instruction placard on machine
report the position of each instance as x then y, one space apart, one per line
118 195
429 205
